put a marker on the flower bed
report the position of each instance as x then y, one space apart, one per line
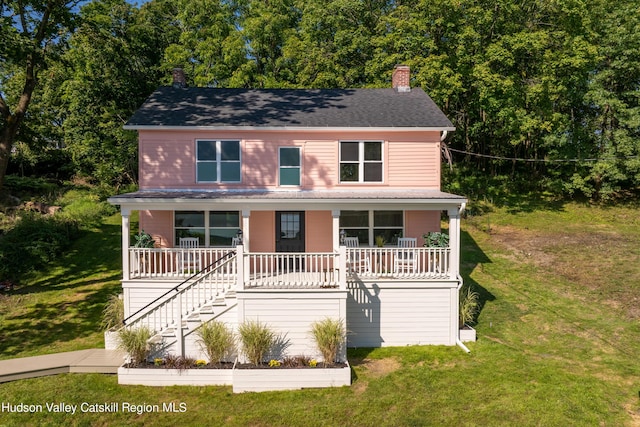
161 376
279 378
242 377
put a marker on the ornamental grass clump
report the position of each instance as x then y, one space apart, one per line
135 342
469 305
217 341
113 313
329 334
257 340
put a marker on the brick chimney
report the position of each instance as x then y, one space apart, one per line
179 80
400 78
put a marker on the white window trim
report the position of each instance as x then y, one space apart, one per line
218 160
361 162
289 167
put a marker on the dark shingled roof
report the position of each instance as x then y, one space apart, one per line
355 108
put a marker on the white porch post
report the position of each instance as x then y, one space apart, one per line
454 242
245 229
126 232
240 267
335 215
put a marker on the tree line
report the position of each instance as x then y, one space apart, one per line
545 94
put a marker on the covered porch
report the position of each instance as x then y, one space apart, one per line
269 222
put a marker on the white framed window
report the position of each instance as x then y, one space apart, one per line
217 161
361 161
367 225
212 228
289 171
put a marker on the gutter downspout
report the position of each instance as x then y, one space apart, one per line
458 342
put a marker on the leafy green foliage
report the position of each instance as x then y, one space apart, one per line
33 242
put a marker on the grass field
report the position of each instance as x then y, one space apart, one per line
559 338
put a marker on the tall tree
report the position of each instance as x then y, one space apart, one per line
32 31
112 64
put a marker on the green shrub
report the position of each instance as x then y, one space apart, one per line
33 242
329 334
257 339
216 340
135 342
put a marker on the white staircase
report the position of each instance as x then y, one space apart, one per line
204 296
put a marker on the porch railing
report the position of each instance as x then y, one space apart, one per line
189 297
171 263
399 262
296 270
292 270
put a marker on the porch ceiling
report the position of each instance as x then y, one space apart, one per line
261 199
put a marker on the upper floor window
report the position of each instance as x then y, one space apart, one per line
217 161
361 161
289 173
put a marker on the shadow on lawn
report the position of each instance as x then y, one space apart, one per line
470 257
87 275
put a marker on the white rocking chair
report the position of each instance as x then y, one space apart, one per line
406 260
188 261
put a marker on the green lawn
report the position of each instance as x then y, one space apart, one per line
558 339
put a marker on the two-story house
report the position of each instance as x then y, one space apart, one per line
289 206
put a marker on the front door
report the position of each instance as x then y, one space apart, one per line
289 231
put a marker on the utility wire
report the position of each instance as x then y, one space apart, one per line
518 159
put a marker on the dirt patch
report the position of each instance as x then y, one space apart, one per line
596 263
374 369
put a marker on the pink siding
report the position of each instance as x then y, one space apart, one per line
319 237
409 160
262 231
160 225
418 223
167 158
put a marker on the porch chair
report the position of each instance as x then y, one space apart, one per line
406 260
356 258
188 260
235 241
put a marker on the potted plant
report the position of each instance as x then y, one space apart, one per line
112 318
436 239
143 240
468 308
380 241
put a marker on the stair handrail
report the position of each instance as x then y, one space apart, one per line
177 287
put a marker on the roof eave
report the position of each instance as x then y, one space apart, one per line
295 128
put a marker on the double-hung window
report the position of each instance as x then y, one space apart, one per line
289 172
361 161
217 161
369 225
212 228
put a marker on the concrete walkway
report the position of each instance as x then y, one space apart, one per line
94 360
